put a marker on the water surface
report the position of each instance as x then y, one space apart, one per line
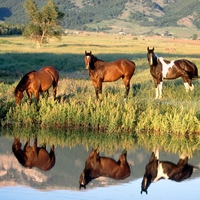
61 182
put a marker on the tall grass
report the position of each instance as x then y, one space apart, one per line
113 115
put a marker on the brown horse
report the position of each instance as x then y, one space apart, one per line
37 81
96 166
33 156
156 170
163 69
100 71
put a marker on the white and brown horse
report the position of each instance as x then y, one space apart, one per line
156 170
163 69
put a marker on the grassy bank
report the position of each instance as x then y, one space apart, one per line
178 112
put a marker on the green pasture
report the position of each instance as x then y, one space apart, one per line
176 116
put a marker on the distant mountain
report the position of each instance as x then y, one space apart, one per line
104 15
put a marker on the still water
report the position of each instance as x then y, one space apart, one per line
62 181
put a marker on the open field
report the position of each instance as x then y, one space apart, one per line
178 112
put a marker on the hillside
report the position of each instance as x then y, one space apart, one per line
105 15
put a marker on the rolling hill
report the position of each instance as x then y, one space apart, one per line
132 16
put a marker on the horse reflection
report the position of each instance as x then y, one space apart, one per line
156 170
96 166
33 156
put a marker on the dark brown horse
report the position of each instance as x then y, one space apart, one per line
33 156
96 166
163 69
100 71
37 81
156 170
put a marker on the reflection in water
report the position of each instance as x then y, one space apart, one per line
96 166
156 170
72 150
33 156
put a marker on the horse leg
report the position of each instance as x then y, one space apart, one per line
27 145
35 142
37 96
188 84
127 87
98 88
29 94
54 90
158 88
52 153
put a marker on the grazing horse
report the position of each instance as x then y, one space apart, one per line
163 69
33 156
37 81
100 71
156 170
96 166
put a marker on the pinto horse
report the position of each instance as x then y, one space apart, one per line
37 81
96 166
33 156
156 170
101 71
163 69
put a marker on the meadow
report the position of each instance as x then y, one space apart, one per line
177 115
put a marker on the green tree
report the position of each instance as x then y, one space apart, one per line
43 24
194 36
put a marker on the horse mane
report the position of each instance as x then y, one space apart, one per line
23 82
95 60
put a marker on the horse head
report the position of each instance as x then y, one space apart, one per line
87 59
85 178
91 165
150 171
18 96
151 57
18 152
145 184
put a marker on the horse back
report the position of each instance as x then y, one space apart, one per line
127 66
187 66
50 71
112 71
44 78
45 160
116 170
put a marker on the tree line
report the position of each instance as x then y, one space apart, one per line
8 29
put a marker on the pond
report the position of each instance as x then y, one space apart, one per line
62 180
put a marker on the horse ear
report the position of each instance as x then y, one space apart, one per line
85 52
153 49
147 48
90 52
